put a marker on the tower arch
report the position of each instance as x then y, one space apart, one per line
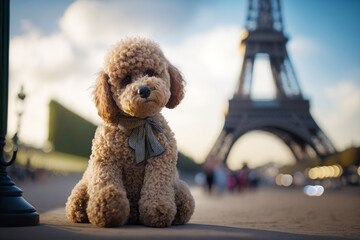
288 114
262 146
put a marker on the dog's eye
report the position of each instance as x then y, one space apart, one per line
149 72
126 81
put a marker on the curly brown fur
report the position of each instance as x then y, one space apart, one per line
114 189
104 102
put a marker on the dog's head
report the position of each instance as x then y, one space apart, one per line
137 81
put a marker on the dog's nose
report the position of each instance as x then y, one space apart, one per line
144 92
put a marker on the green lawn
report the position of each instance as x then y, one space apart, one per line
53 161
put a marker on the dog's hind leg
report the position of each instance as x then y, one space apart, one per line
185 203
77 203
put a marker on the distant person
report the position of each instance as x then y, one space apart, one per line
253 178
208 168
232 181
220 175
28 170
243 177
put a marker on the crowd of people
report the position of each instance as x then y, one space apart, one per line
219 176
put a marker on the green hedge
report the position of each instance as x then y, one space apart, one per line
187 164
68 132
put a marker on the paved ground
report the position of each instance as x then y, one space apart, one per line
267 213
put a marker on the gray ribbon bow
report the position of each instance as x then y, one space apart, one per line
142 138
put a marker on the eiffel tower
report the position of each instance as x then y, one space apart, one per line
287 116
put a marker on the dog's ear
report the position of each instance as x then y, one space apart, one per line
104 102
177 87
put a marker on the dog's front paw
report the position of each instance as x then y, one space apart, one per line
77 203
109 207
184 202
158 214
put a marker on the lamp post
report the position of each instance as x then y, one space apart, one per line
14 209
20 98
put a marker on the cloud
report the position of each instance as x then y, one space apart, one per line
35 57
101 23
85 30
302 47
345 98
210 62
342 115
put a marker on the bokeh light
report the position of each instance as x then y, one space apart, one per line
314 190
333 171
284 180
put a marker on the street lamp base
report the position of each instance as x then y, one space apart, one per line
19 219
14 209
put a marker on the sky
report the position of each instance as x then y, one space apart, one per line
58 47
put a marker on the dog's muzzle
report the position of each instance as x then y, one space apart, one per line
144 92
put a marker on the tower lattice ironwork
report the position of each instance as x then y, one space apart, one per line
287 115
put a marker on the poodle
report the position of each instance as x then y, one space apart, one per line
131 177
